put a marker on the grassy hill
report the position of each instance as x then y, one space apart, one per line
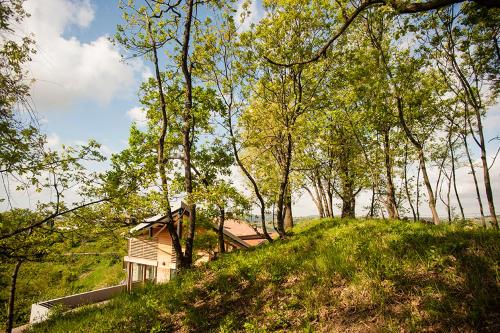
78 271
329 276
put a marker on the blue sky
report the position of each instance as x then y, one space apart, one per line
83 90
104 103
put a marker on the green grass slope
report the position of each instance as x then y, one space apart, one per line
330 276
72 274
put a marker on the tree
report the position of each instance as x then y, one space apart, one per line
150 27
221 197
416 97
466 52
283 94
219 55
217 194
396 6
28 235
26 164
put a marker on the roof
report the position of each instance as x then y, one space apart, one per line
238 230
140 226
160 219
153 218
244 231
239 227
236 239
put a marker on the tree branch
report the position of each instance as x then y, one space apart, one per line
51 217
399 6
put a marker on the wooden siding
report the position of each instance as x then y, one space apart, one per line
143 248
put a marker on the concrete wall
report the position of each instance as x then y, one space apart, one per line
40 311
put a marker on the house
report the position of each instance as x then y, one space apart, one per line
151 255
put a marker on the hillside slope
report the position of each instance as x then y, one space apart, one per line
330 276
72 274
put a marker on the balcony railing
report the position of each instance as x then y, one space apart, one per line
143 248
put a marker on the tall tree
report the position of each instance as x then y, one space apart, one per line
286 93
219 55
27 166
174 27
466 51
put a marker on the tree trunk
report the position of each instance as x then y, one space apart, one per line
316 203
441 168
473 171
288 210
349 208
323 197
432 200
418 193
421 158
392 209
320 200
348 200
187 116
280 216
407 190
160 151
347 186
448 203
486 171
329 198
12 298
329 194
220 230
454 178
372 203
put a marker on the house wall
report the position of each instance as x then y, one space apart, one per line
166 256
164 253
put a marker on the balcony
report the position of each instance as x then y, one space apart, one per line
143 248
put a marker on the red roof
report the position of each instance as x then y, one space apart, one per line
243 230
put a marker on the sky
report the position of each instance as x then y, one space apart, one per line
84 90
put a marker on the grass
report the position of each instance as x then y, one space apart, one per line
328 276
72 274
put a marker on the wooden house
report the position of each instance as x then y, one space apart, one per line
151 255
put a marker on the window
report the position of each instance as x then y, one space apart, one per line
150 273
137 270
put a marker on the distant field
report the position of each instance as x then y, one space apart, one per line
329 276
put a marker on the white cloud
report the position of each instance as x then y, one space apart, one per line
138 115
247 19
53 140
67 70
492 120
107 151
42 119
